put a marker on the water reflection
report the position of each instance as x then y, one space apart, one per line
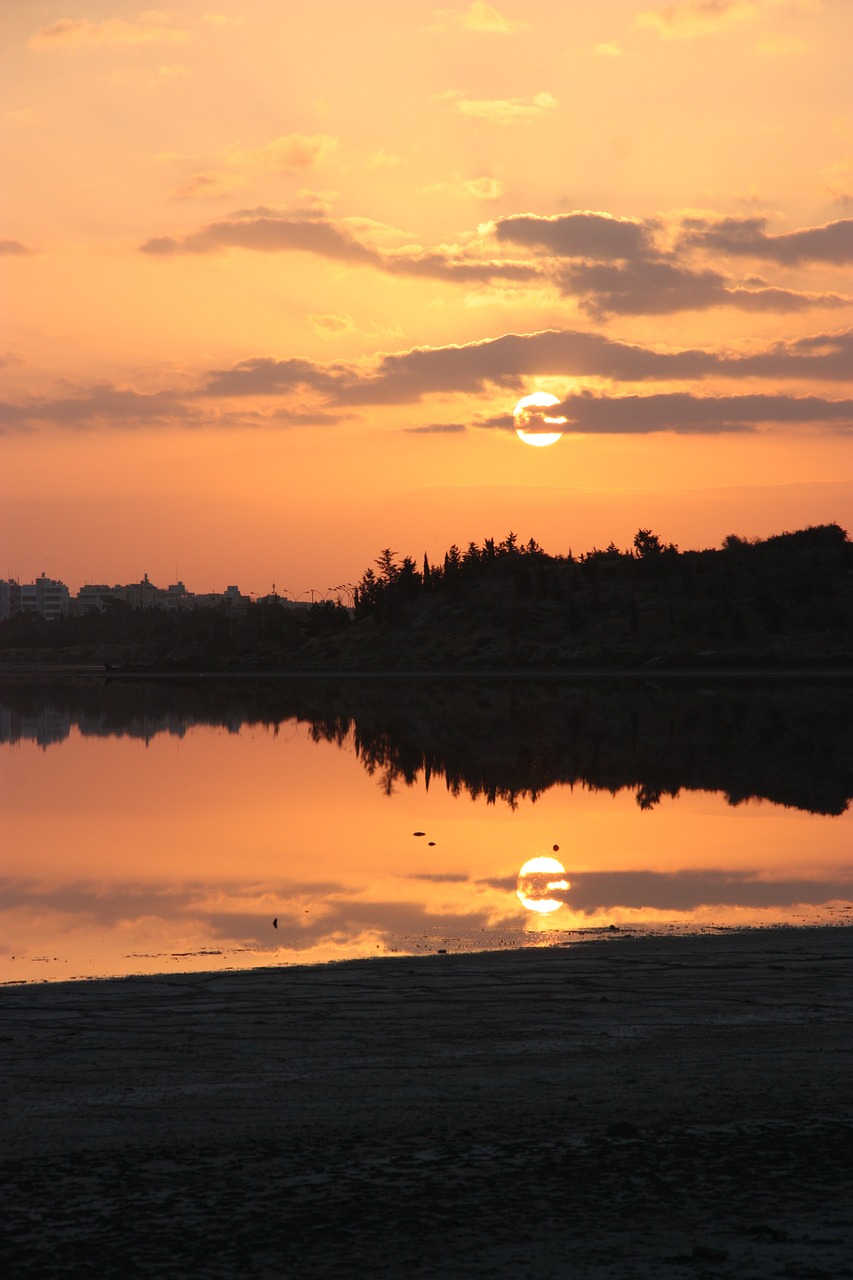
166 826
788 742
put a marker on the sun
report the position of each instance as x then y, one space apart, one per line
537 879
530 420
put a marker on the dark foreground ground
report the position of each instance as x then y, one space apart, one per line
663 1107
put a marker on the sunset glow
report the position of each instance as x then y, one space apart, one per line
258 335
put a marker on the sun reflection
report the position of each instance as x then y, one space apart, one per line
537 881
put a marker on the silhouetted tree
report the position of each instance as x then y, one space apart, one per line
647 543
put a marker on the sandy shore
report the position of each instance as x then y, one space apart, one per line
662 1107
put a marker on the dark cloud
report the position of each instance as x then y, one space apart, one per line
456 267
747 237
511 360
263 375
688 414
657 287
102 404
266 231
14 248
508 362
439 877
438 429
613 265
268 234
580 235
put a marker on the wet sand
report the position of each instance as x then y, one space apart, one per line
628 1107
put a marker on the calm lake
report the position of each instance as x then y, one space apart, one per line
174 825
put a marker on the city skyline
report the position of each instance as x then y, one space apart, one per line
270 331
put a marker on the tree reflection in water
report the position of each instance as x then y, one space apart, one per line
787 741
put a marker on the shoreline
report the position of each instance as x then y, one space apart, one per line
628 1106
647 672
605 935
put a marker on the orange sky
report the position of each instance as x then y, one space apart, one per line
262 264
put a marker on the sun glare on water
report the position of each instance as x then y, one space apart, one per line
537 880
531 423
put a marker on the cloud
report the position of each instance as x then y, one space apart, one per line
747 237
503 111
478 16
209 184
783 46
382 159
290 153
579 235
612 265
136 76
687 414
455 266
660 288
512 360
21 115
609 49
839 182
687 19
331 326
437 429
150 27
509 363
264 375
100 405
267 234
473 188
14 249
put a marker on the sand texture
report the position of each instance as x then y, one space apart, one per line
662 1107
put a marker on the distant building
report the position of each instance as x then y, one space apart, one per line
176 597
52 598
95 597
10 599
46 596
142 595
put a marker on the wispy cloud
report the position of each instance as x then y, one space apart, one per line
469 188
291 153
687 19
14 249
149 27
690 19
501 111
478 17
